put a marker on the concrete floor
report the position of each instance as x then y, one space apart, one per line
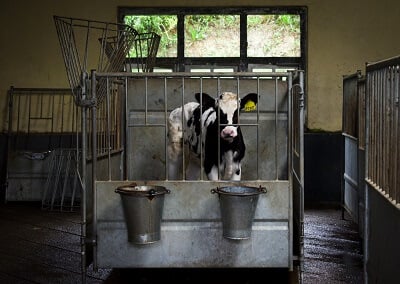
39 246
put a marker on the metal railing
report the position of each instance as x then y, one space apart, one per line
383 128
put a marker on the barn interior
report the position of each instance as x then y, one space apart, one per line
334 173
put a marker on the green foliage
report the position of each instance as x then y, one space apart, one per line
164 25
199 27
288 22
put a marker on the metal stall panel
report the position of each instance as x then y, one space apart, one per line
148 98
350 187
40 120
382 163
383 128
297 98
191 227
191 230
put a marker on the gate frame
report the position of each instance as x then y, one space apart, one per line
295 154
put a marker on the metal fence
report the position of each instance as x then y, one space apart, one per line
142 102
42 119
383 128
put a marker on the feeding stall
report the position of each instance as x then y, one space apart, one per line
192 230
135 214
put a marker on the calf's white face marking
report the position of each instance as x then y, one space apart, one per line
229 104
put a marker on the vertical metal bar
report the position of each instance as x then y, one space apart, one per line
94 168
83 180
290 154
108 94
258 128
165 123
276 129
219 127
62 118
368 90
301 152
29 121
397 134
66 172
183 129
126 133
146 98
201 128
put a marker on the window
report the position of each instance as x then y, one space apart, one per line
211 39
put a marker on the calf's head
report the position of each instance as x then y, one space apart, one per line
226 111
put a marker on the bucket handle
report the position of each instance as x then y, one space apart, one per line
261 189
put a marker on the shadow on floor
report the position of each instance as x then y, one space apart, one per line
38 246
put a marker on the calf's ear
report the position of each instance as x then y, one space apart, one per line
206 100
249 102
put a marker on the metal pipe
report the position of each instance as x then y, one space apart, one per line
108 94
258 127
276 129
165 123
94 167
84 195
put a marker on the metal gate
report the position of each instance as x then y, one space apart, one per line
40 121
353 130
191 232
383 131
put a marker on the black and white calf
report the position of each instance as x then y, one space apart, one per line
216 119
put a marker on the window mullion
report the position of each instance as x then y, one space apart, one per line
181 42
243 43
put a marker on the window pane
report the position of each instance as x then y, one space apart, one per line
212 36
163 25
273 36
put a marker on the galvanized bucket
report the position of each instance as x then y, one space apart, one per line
143 206
238 205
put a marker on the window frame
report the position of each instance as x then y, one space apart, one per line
240 63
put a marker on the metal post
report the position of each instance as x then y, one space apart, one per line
94 166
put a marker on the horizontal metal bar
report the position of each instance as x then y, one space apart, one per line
382 192
349 136
39 90
146 125
260 75
350 180
383 63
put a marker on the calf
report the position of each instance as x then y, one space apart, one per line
216 120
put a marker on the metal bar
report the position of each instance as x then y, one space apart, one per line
66 172
108 129
183 129
59 162
201 129
258 128
84 201
126 132
291 170
373 66
165 123
94 168
179 75
276 129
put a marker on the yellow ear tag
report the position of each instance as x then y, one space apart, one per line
249 106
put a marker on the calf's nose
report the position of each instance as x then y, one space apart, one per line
228 132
